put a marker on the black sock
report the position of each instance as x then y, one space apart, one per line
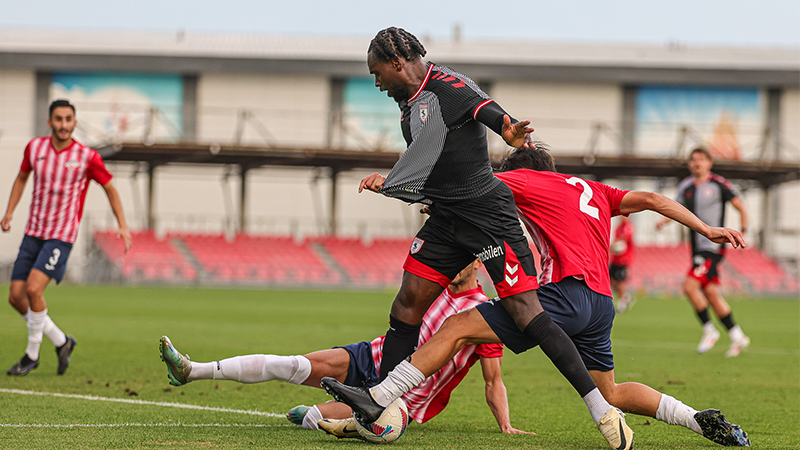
728 321
401 341
703 315
561 351
26 360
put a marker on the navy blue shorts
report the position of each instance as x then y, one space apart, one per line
583 314
361 372
49 256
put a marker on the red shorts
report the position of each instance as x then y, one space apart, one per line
704 268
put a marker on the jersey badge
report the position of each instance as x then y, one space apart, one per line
72 164
416 245
423 112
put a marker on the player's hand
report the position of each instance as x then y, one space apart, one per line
372 183
425 210
516 135
5 224
127 239
512 430
721 235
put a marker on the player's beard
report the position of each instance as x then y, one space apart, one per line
58 133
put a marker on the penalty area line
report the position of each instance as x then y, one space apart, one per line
134 424
141 402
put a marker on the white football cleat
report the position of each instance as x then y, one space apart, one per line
710 337
737 345
616 431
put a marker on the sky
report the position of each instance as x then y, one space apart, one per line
749 23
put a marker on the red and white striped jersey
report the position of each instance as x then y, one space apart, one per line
432 395
60 182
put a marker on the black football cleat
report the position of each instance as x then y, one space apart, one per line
23 366
64 353
364 407
719 430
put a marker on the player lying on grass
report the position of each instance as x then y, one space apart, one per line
569 220
358 364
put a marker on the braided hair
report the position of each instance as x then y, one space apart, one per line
396 42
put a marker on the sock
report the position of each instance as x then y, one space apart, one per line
728 321
402 379
401 341
51 330
703 315
674 412
254 369
311 418
36 322
597 404
25 316
561 351
735 333
708 327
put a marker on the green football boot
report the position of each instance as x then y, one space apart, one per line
178 366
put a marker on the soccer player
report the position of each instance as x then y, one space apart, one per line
705 194
472 213
569 220
621 258
62 169
357 365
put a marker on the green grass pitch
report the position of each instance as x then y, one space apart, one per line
117 358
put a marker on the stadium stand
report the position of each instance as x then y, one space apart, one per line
150 260
349 261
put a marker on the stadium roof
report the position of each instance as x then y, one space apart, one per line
345 56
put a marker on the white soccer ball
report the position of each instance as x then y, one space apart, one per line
389 426
619 247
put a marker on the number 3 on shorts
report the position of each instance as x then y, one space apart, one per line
586 196
51 263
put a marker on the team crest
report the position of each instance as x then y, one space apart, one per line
423 112
72 164
416 245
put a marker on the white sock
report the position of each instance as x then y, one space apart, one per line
400 380
25 316
254 369
36 322
708 327
735 333
674 412
51 330
311 418
597 404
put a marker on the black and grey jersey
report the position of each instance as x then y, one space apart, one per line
447 156
707 201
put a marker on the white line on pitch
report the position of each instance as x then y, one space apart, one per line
141 402
130 424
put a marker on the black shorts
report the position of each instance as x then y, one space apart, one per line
704 267
583 314
361 372
619 273
487 228
50 256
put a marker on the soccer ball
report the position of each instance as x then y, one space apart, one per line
389 426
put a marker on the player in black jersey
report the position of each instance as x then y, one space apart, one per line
472 214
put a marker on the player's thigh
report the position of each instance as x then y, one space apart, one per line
415 296
52 259
470 327
29 251
332 362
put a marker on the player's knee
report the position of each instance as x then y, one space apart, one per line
34 292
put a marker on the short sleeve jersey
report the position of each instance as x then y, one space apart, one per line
60 182
432 395
707 201
624 232
569 219
447 156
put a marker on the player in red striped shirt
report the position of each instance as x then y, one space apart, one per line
62 169
359 364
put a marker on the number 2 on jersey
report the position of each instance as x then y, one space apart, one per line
586 196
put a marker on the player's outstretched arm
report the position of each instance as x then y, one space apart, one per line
13 200
518 134
116 206
372 183
635 201
739 205
497 396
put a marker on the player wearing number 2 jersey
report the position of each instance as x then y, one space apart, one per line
62 168
569 219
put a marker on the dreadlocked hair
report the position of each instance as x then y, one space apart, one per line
396 42
535 157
